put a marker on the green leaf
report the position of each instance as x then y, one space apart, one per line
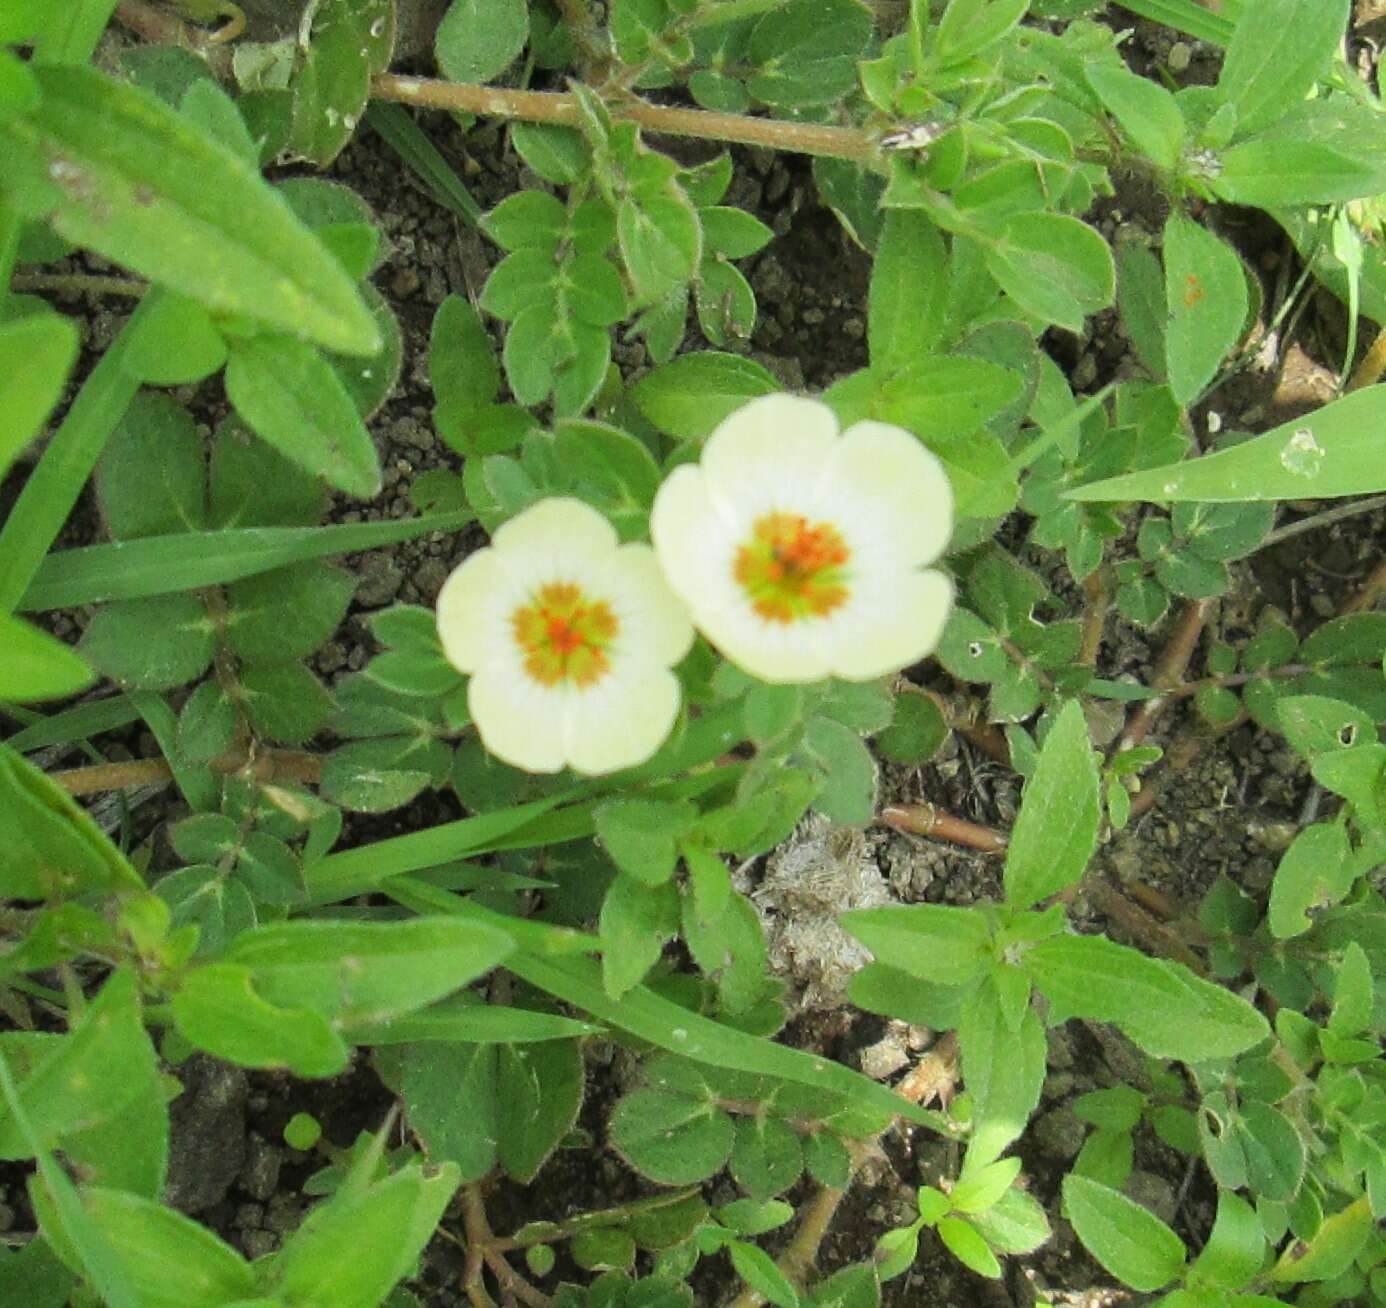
968 1245
86 1077
935 942
1053 266
1205 289
286 613
356 972
1141 301
1015 1224
347 42
37 666
351 1249
294 401
181 346
690 396
48 346
848 793
916 732
1132 1243
641 836
151 644
1320 152
941 398
766 1157
1056 832
1164 1008
540 1088
1147 112
152 477
142 186
284 701
169 1260
216 1008
970 26
670 1026
55 850
754 1266
1236 1247
908 298
661 241
1314 872
805 51
1004 1070
1276 55
462 366
671 1138
1332 1248
450 1094
558 154
479 39
637 919
1332 451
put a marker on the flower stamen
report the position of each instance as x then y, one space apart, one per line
792 569
564 635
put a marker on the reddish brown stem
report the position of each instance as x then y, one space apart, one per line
1169 671
933 823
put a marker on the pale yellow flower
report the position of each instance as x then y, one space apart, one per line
801 551
568 637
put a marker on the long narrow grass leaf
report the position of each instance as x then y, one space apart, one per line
102 1265
197 784
159 565
1184 16
667 1025
54 485
407 139
78 723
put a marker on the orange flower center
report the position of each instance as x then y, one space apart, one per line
792 569
564 635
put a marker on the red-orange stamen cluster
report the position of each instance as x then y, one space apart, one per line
564 635
793 569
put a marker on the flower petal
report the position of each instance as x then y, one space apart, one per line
769 454
894 623
552 539
779 652
654 623
470 605
519 721
882 475
621 722
695 544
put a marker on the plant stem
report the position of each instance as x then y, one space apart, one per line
934 823
54 485
272 765
548 1232
80 284
1172 665
561 109
1324 519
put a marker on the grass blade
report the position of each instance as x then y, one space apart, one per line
1185 16
53 487
75 724
159 565
407 139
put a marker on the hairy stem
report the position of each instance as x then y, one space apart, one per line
272 765
561 109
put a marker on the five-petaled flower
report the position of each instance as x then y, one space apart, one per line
802 552
568 637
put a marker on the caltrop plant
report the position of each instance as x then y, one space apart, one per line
699 602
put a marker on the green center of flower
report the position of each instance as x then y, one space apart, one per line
792 568
564 635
